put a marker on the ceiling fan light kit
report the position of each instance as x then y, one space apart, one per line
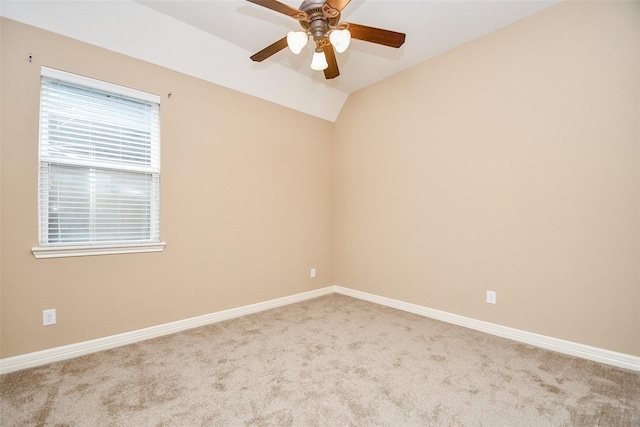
319 61
320 21
340 39
296 40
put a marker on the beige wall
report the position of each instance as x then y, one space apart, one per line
247 204
509 164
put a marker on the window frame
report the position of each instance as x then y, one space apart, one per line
57 249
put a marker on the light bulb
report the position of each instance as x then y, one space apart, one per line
319 61
296 40
340 39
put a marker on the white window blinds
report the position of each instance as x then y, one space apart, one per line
99 162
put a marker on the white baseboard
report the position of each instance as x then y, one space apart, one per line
608 357
30 360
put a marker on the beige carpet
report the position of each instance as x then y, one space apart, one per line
331 361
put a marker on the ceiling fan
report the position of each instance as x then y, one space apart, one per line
320 22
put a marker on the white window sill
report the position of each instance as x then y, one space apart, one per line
69 251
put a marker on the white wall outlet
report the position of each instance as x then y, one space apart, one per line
491 297
49 317
313 272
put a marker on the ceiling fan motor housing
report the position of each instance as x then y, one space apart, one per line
320 19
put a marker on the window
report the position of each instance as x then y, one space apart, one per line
99 184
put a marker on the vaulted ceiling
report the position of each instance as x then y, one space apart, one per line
213 39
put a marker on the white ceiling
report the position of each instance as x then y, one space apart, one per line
213 39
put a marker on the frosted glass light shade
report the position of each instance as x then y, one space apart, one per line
296 40
319 61
340 39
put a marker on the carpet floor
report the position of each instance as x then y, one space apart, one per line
330 361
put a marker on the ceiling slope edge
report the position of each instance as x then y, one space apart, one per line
134 30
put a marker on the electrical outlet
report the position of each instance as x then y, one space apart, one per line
49 317
313 272
491 297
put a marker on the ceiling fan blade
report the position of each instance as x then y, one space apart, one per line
332 71
279 7
338 4
376 35
270 50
